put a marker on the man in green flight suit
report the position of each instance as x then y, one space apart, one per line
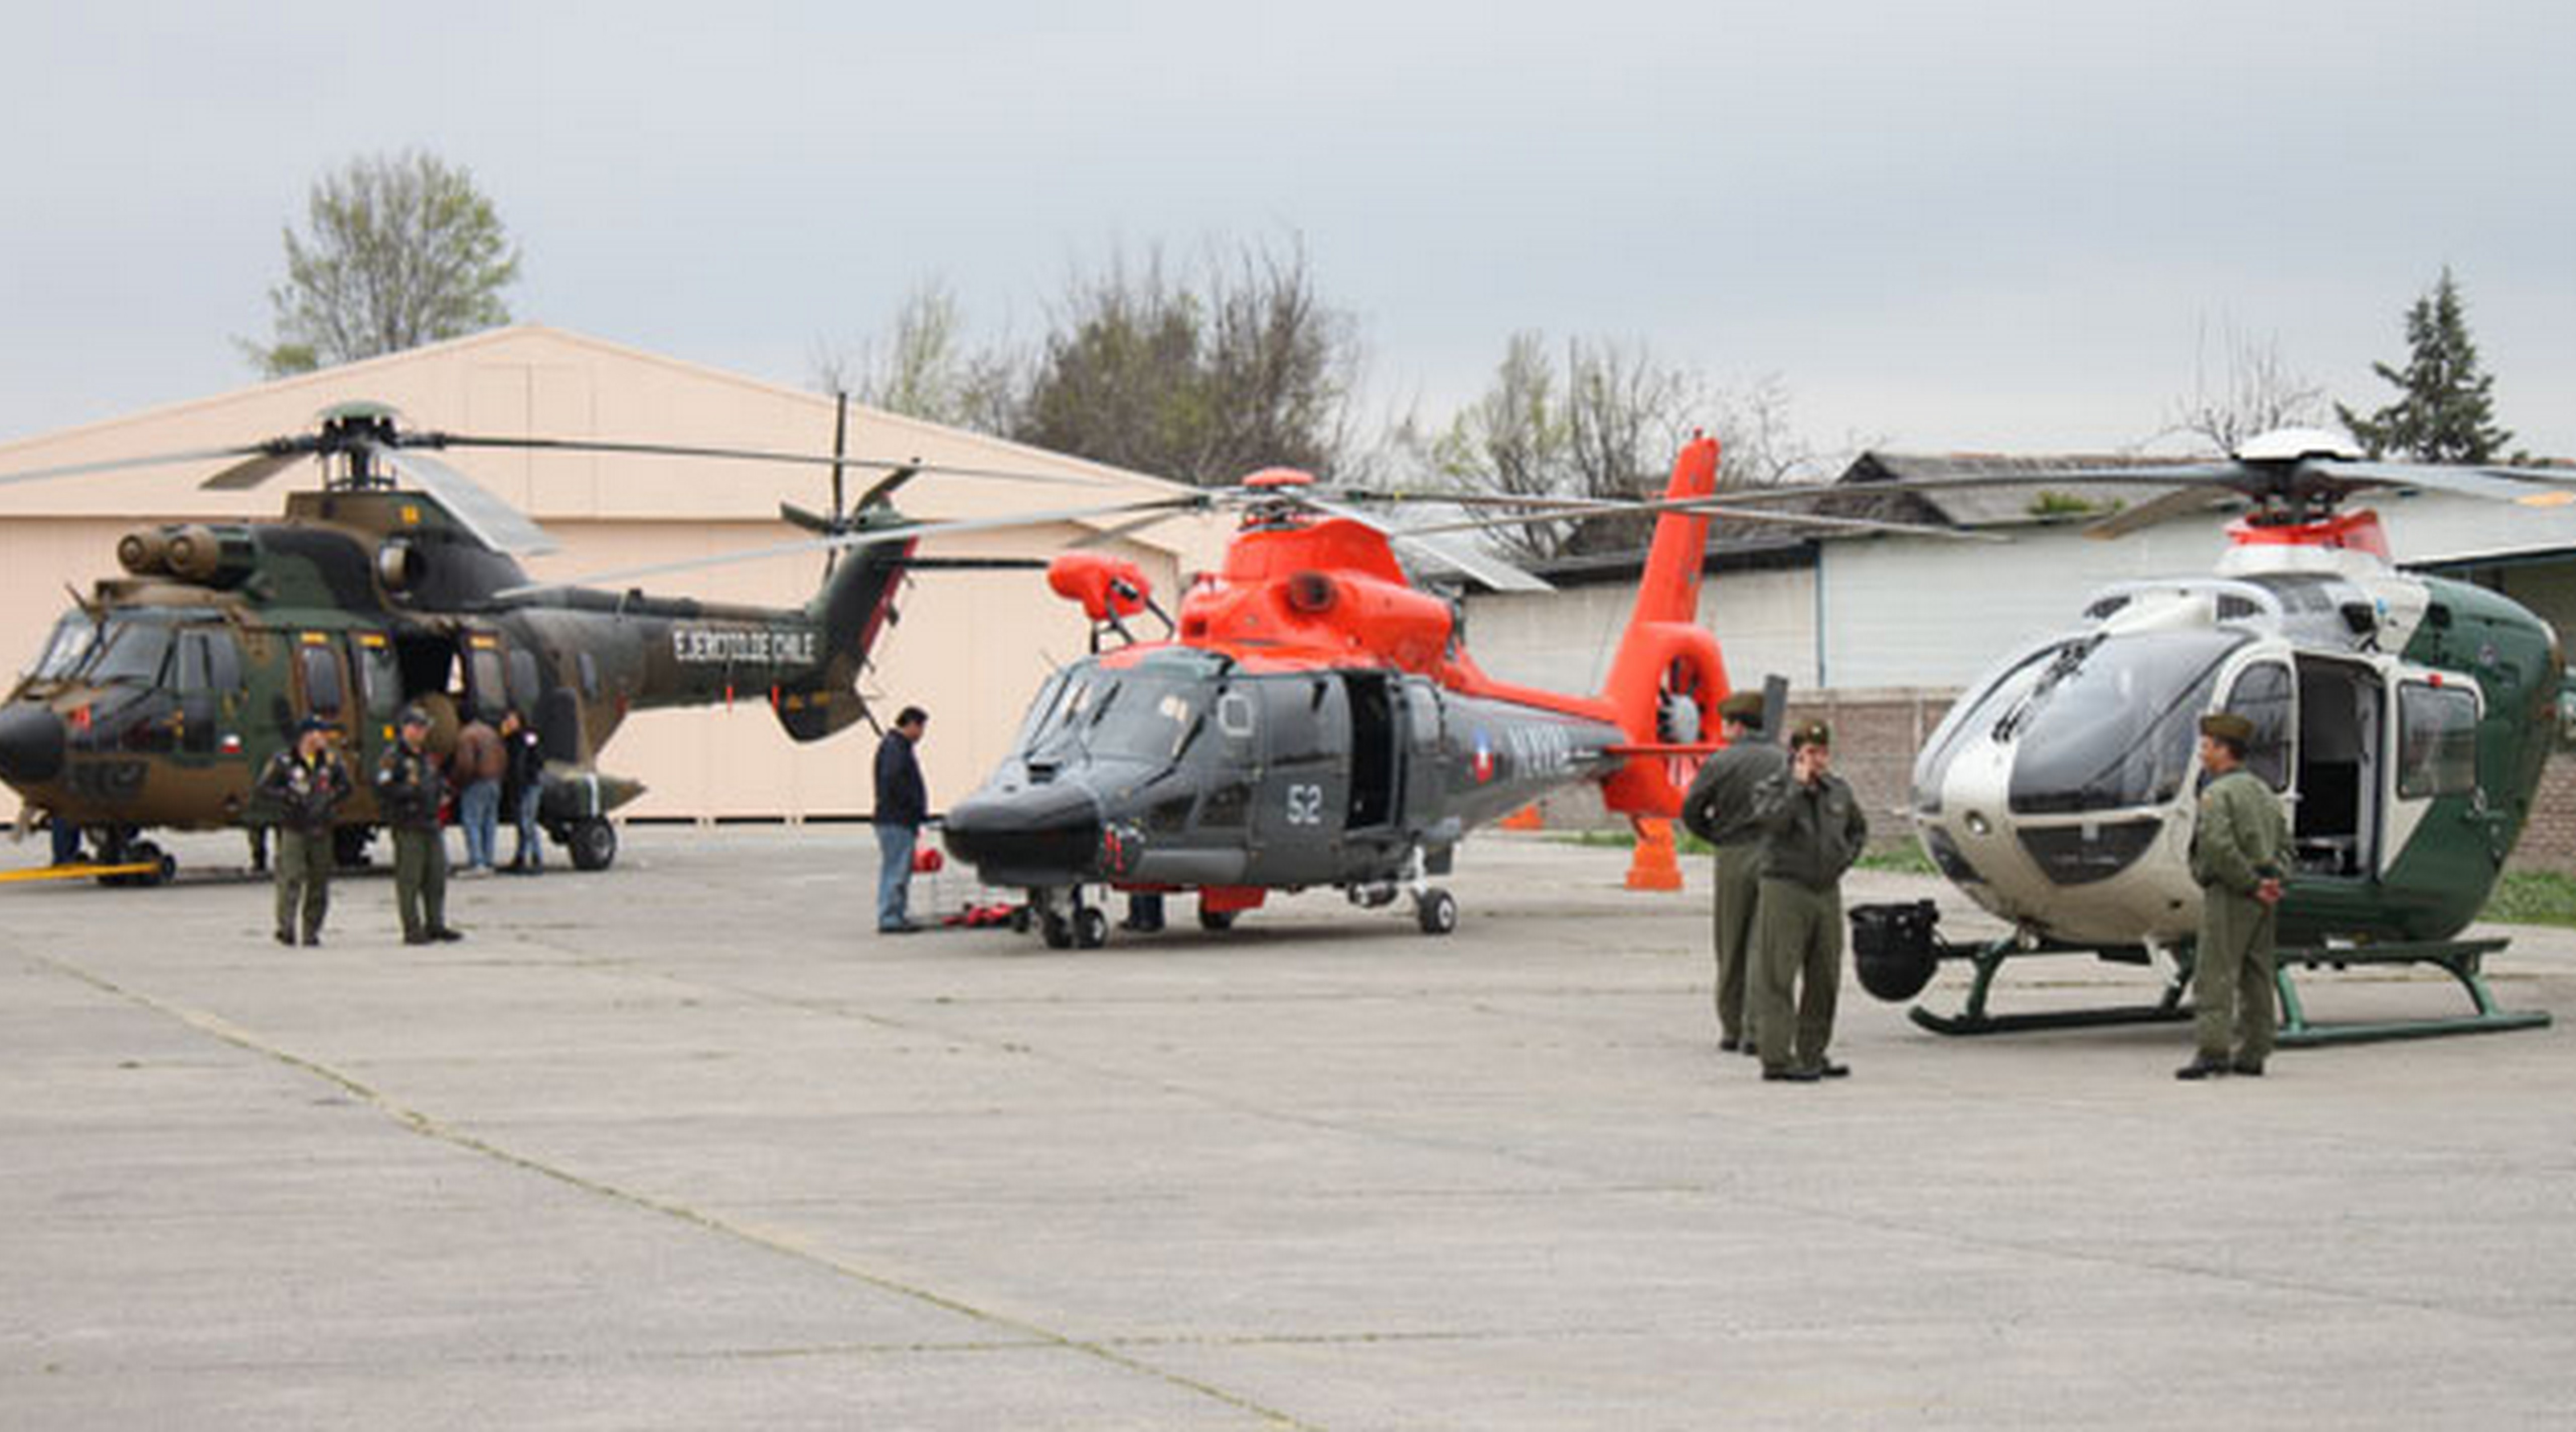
304 785
1812 830
2239 848
409 790
1719 809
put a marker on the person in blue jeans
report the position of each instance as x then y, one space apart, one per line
477 766
523 784
903 803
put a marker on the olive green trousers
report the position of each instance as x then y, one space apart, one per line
1799 935
1738 890
303 871
2231 977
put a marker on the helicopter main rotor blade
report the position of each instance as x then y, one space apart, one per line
865 537
1500 575
502 527
81 469
2158 509
1708 507
462 440
251 472
2466 480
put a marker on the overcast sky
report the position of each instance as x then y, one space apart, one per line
1991 226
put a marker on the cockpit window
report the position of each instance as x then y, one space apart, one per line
1126 715
2113 723
74 636
1974 712
131 652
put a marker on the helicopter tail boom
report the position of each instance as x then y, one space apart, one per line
852 610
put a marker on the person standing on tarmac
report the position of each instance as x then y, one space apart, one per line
409 790
903 803
477 766
304 786
2239 846
523 781
1812 830
1719 810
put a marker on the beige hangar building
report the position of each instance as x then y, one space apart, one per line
970 646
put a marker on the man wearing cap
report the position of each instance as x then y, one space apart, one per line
409 790
1812 830
2239 848
304 785
1719 809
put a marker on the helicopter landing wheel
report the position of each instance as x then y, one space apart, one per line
593 843
1090 927
1056 930
1436 910
1216 919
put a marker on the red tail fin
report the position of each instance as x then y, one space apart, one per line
1668 676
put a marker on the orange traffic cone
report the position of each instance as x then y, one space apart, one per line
1526 818
1654 867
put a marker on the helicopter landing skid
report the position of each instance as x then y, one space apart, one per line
1988 961
2460 959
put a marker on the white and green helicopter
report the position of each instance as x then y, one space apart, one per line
2405 718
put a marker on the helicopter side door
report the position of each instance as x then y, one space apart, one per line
321 680
207 673
2263 687
1299 811
2341 759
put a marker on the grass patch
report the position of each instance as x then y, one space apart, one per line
2533 897
1906 859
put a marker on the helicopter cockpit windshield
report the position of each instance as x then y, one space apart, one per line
1112 715
73 638
2111 723
129 653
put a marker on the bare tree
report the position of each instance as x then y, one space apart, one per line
1201 378
401 251
2258 392
924 367
1604 424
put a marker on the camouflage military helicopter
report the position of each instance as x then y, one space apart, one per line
396 582
2405 718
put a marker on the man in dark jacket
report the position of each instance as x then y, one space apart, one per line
903 803
409 791
303 787
1719 810
1812 830
523 781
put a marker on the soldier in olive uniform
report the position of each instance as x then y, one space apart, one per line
409 790
1719 809
304 785
1812 830
2239 848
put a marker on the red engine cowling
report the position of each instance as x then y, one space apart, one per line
1106 586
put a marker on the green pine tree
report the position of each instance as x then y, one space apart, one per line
2445 411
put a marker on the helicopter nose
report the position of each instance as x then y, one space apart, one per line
31 745
1044 835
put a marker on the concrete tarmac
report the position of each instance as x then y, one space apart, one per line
688 1145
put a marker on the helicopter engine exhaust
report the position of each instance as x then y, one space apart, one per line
144 552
